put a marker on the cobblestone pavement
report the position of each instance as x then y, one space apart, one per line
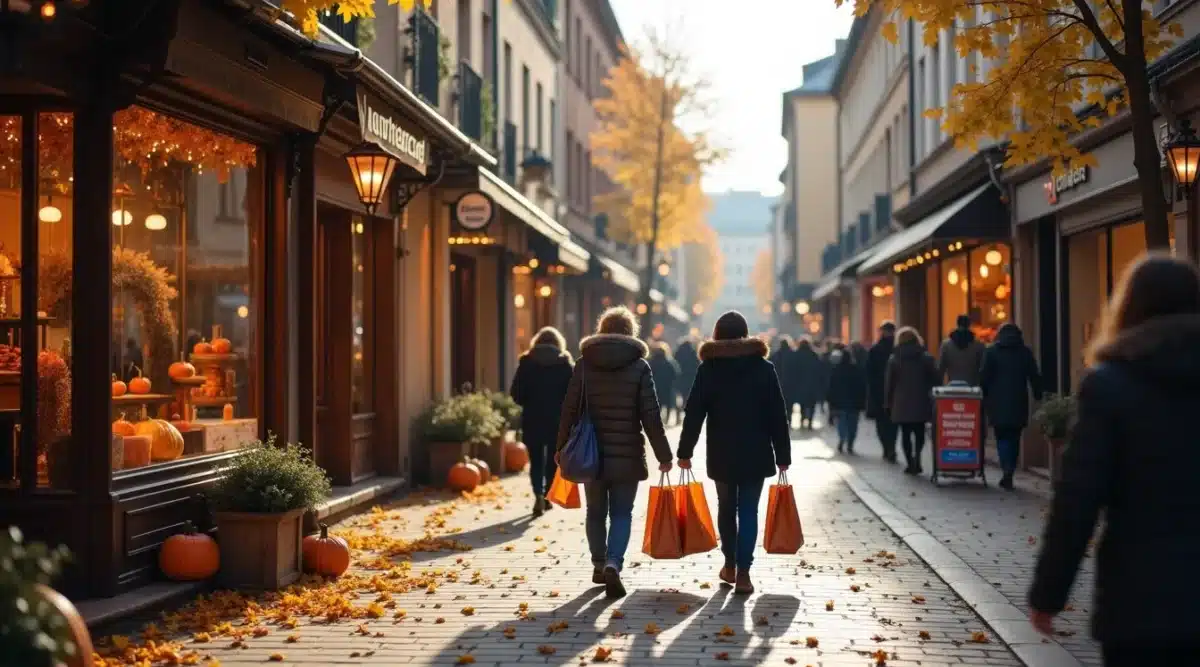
854 595
996 532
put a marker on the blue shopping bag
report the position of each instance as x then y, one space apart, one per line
580 460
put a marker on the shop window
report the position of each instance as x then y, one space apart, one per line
1128 244
956 284
991 289
187 205
1088 267
883 307
360 379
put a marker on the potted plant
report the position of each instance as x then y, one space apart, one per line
259 507
40 628
492 452
451 427
1054 419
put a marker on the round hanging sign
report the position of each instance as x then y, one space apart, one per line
474 211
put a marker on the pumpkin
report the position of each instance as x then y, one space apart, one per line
516 457
75 625
463 476
189 556
203 347
325 555
122 427
181 370
222 346
118 387
180 424
485 471
139 384
166 442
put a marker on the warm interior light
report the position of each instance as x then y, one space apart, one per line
983 271
993 257
122 218
877 292
243 312
766 310
156 222
641 309
697 309
814 327
966 285
533 263
785 307
519 300
1001 291
359 228
48 10
49 214
664 269
802 307
1183 152
545 291
952 277
372 169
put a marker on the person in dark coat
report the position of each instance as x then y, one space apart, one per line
1007 370
685 356
847 396
538 386
784 359
877 361
908 386
737 390
858 352
666 372
1133 457
810 380
961 354
614 383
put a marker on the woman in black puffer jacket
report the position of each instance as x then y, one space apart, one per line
613 382
538 386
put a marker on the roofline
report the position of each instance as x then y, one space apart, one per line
612 27
857 29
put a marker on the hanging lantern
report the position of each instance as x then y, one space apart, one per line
993 257
372 169
50 214
156 222
1183 152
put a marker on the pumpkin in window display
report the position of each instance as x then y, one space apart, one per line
166 442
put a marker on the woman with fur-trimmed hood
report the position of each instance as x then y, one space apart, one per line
613 382
737 392
538 386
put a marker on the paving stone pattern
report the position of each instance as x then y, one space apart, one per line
997 533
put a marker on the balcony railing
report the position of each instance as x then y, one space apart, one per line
470 102
864 229
425 50
347 30
830 257
510 152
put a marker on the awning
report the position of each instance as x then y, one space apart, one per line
621 276
979 215
833 280
570 253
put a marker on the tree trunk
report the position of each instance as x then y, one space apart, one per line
1146 158
652 245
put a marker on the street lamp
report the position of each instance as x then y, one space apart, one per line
372 169
1183 153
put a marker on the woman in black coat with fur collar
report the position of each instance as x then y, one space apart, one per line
538 386
738 392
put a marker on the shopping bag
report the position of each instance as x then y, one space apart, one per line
564 493
580 460
695 522
783 534
662 539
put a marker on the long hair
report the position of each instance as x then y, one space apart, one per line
1156 285
551 337
909 335
618 320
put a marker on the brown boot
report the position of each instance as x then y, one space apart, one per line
727 574
743 585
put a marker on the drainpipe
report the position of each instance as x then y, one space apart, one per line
912 110
503 272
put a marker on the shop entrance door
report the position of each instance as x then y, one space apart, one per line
463 298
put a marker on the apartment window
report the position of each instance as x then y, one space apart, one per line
587 186
553 130
587 80
600 74
485 27
464 30
524 110
935 72
539 100
919 106
570 167
508 114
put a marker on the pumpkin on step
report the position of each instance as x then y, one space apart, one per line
122 427
189 556
516 457
485 471
464 476
166 442
139 384
325 554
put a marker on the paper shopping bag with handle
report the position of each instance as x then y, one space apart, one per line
695 521
662 539
783 534
563 493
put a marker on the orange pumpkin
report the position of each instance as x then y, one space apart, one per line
166 442
76 627
463 476
180 424
203 347
137 451
485 471
118 387
222 346
139 384
181 370
122 427
516 457
189 556
325 555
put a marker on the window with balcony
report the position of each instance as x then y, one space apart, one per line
426 49
470 102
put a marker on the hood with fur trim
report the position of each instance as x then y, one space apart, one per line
1164 349
737 347
612 351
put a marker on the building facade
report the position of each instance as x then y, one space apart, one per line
742 221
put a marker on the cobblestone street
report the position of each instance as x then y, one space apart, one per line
854 595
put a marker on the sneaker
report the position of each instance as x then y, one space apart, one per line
727 575
743 585
613 588
598 576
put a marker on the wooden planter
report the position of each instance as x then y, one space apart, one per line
259 551
442 457
491 454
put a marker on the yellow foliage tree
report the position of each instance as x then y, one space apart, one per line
762 280
1055 67
704 267
308 12
641 146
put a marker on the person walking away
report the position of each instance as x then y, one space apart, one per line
784 359
1133 457
859 354
738 392
538 386
847 396
809 380
618 385
1008 368
961 354
665 372
685 356
911 377
877 362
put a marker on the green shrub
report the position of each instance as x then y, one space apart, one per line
507 407
467 417
32 632
1055 417
270 479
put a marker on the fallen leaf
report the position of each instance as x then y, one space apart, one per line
811 642
980 638
878 638
761 620
725 631
790 661
880 657
558 626
924 634
918 599
466 659
439 620
200 638
553 594
510 632
547 650
705 586
602 654
260 631
617 613
829 605
850 570
292 639
468 611
682 609
276 657
652 628
855 587
723 655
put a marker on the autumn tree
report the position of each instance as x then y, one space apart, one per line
704 267
1053 68
641 144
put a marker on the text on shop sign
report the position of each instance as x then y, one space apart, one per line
956 440
390 135
1057 185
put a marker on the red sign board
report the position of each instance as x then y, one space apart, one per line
957 435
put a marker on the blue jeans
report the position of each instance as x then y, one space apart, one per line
847 426
737 521
1008 447
611 501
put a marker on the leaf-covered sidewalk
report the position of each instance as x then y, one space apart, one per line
473 580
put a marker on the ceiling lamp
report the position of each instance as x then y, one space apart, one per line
50 214
156 222
877 292
993 257
122 218
519 300
802 307
372 168
952 277
983 271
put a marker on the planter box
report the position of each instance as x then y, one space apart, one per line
442 457
491 454
1056 447
259 551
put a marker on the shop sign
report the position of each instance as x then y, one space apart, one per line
957 433
1070 180
474 211
391 134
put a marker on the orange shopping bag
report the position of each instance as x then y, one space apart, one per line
783 534
695 521
662 539
563 493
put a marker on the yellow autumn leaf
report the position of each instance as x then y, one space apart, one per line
468 611
652 628
829 605
466 659
890 32
292 639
